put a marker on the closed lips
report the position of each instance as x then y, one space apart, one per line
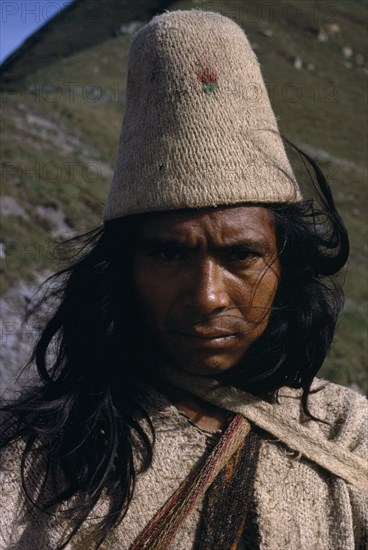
208 336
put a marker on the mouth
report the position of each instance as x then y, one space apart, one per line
211 340
208 335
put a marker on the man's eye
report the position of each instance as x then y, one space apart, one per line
241 255
168 254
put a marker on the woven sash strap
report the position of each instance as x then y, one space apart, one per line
163 527
328 454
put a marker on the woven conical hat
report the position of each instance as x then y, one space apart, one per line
198 128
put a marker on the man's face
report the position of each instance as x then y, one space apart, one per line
205 281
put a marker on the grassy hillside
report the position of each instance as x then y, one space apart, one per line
62 114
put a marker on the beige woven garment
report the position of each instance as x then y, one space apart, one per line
198 128
299 505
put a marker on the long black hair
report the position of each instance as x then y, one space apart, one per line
84 416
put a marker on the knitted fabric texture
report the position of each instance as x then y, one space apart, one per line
198 128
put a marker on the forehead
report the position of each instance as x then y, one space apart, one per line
225 223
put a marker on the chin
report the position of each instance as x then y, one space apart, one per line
205 368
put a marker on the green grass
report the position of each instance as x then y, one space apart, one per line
327 114
348 357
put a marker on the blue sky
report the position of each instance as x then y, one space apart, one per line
21 18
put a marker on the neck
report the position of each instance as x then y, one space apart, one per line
204 415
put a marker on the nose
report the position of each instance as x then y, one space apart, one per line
207 291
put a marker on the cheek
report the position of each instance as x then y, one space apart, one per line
262 294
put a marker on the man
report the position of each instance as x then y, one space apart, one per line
180 409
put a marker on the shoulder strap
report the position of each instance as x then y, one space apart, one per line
163 527
328 454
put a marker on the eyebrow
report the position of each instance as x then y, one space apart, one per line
256 245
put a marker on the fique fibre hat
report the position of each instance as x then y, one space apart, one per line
198 127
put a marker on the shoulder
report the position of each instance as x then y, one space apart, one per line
344 412
10 461
10 473
11 490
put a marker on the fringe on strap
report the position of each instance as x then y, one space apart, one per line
226 519
163 527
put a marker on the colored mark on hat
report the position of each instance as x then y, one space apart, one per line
209 79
